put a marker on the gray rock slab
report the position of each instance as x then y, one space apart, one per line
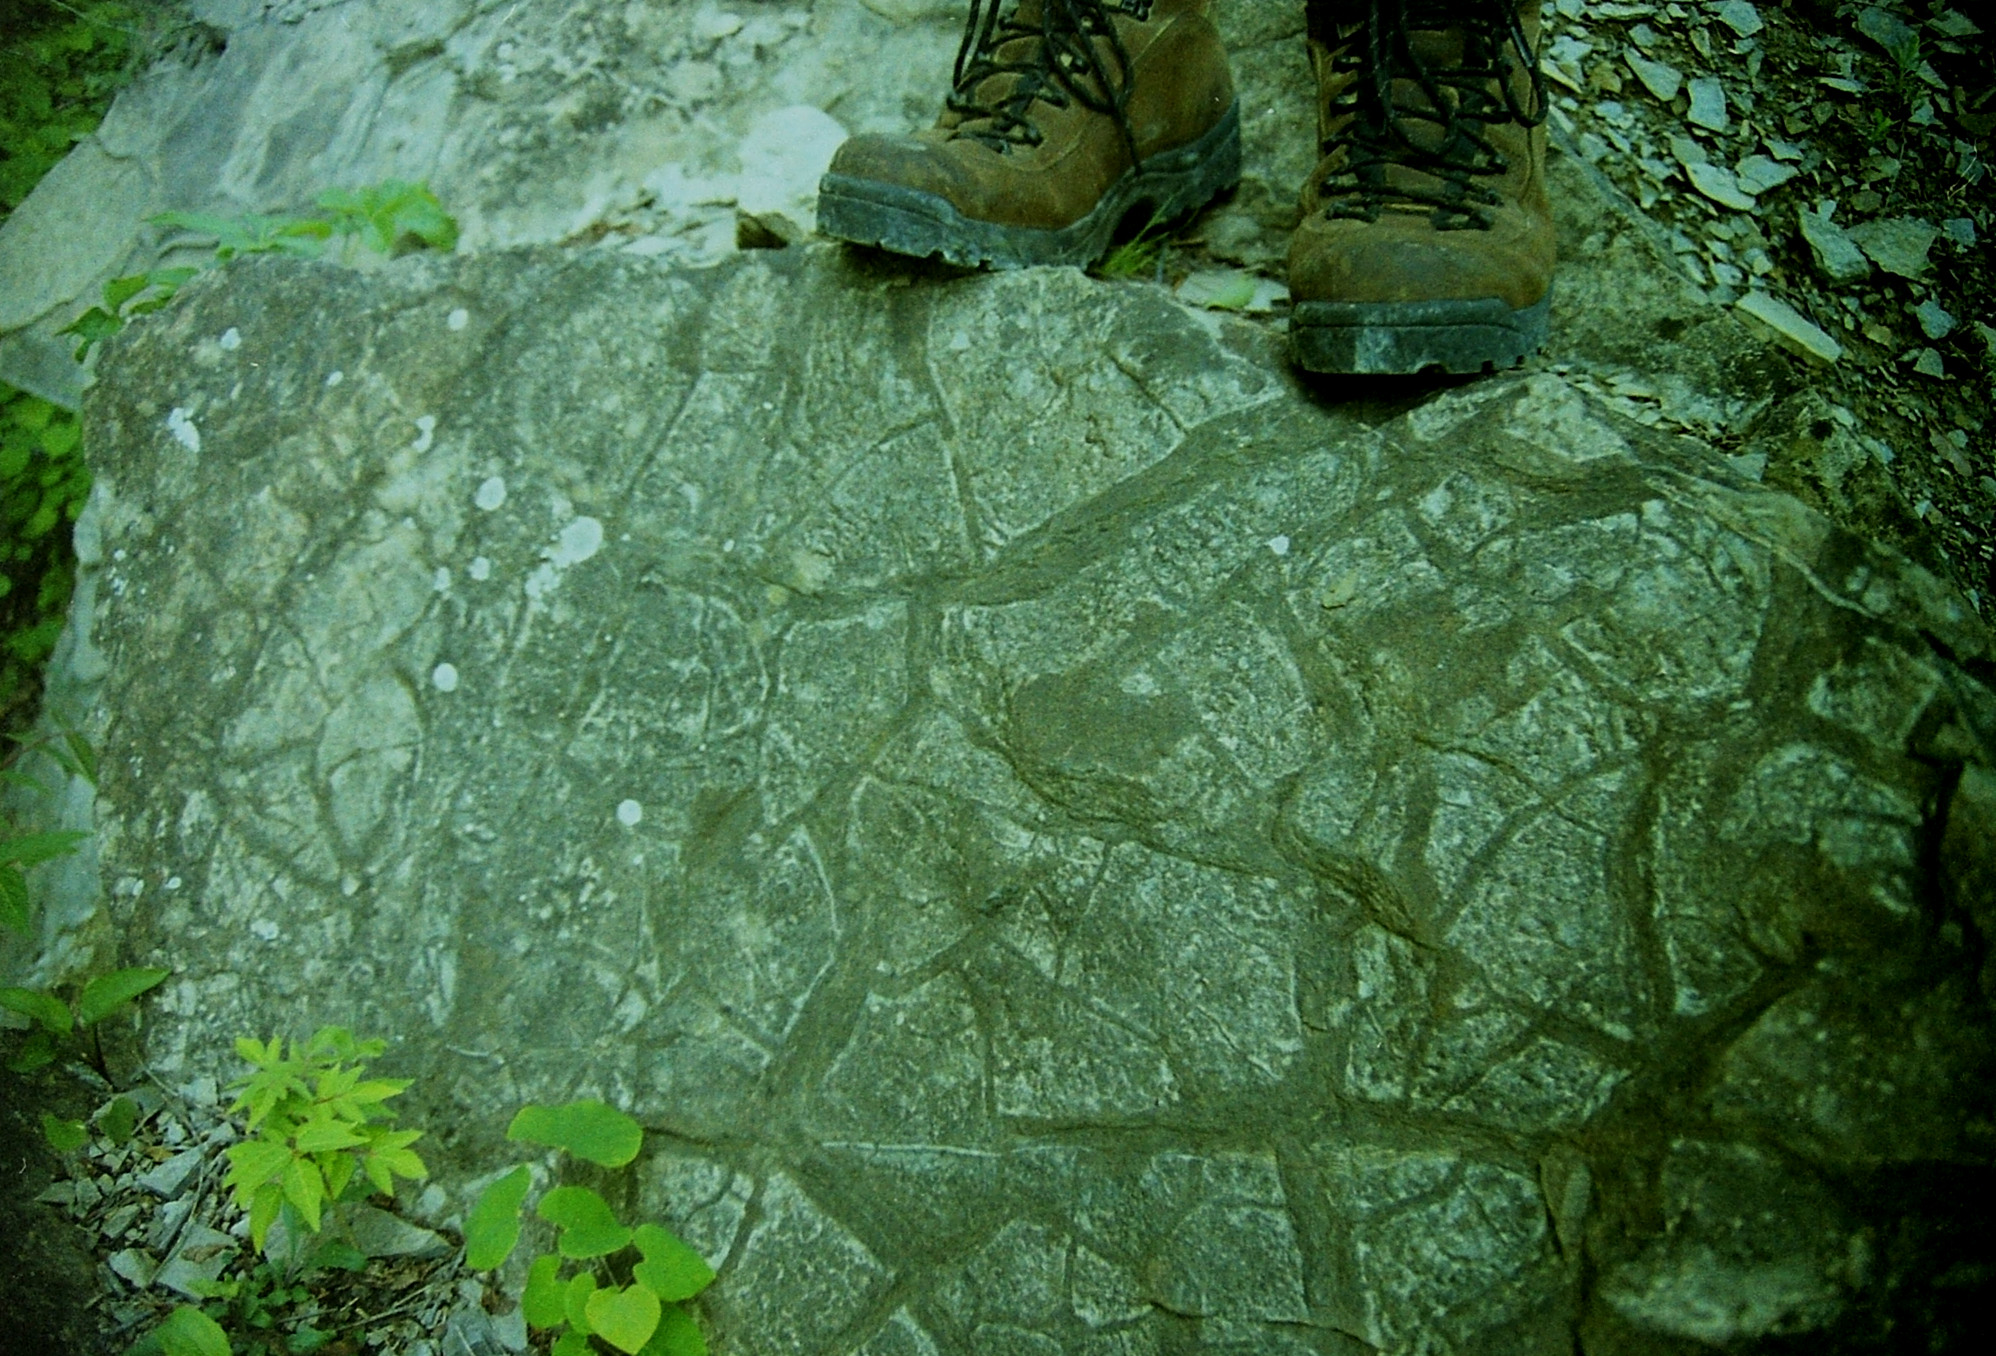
1071 841
639 126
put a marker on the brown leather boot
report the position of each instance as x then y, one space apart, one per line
1426 238
1063 116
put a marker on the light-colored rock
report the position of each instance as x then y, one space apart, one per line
1896 244
1708 104
1659 78
1837 255
1794 330
1719 184
1090 795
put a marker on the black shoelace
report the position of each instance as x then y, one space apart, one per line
1063 64
1439 132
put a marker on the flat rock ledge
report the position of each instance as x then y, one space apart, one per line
1072 842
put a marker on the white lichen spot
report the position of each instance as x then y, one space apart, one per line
444 677
335 377
231 340
541 581
629 812
173 882
458 319
264 929
491 494
480 569
578 541
426 432
1279 544
441 579
183 430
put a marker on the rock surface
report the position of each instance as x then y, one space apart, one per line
1072 842
642 126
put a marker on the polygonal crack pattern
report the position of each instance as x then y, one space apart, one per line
1070 844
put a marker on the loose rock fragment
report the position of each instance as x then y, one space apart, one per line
1758 174
1708 104
1935 323
1739 16
1659 79
1721 185
1896 244
1837 256
1792 329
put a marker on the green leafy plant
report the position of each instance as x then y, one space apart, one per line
319 1130
187 1331
54 1022
1140 256
19 852
43 485
60 64
388 217
394 214
629 1285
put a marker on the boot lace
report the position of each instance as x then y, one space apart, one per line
1437 125
1064 64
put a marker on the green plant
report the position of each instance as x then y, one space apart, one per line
59 66
390 216
187 1331
394 214
53 1022
43 484
629 1285
319 1129
1139 257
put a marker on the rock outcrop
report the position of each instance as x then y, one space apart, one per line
1072 842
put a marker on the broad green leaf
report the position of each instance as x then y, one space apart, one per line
677 1335
254 1162
670 1269
544 1301
105 994
575 1301
64 1135
118 1119
36 1052
13 897
588 1226
265 1206
624 1318
189 1332
305 1189
588 1129
85 756
118 291
493 1227
306 1340
31 849
45 1009
318 1137
402 1163
378 1174
338 1169
571 1343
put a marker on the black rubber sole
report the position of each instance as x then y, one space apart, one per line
909 221
1416 336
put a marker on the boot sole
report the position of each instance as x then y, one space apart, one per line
1402 338
909 221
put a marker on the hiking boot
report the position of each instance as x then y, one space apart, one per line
1426 238
1063 116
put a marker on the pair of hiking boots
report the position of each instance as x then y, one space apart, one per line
1426 239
